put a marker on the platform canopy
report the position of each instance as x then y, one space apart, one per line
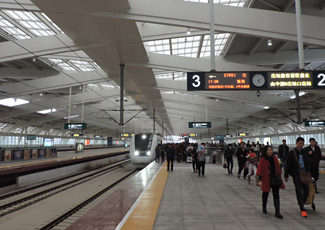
48 47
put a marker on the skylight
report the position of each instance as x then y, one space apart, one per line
186 46
189 46
160 46
47 111
219 42
62 64
177 76
30 22
12 30
82 65
47 18
11 102
238 3
74 65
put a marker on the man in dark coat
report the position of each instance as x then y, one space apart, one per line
298 161
241 157
315 155
170 157
283 152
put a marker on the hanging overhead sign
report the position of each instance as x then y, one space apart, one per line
315 123
199 125
78 126
252 80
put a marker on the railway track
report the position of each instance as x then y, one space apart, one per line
21 199
56 222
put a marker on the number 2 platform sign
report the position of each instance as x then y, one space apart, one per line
252 80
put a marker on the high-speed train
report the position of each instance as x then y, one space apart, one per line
142 148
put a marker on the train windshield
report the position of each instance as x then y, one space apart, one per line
143 142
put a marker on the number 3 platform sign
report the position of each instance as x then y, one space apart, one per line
251 80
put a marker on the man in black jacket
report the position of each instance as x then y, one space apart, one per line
283 152
170 157
241 157
297 161
315 154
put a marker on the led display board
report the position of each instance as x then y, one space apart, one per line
219 137
290 80
31 137
241 134
315 123
253 80
98 136
77 126
199 125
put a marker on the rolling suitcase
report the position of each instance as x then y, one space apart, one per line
311 196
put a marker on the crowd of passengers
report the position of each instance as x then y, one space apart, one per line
259 160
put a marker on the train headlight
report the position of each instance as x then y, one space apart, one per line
144 136
136 153
148 153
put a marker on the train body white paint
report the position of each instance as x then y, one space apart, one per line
142 148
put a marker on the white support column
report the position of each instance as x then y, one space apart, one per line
69 113
212 47
300 35
83 104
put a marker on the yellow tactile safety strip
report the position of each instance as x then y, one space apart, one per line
144 215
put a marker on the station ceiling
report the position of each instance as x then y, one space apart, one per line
48 47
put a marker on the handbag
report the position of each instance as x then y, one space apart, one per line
276 181
225 165
305 177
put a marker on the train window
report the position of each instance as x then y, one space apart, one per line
143 144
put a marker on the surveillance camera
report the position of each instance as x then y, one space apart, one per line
258 93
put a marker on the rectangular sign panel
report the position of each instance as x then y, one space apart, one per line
77 126
31 137
199 125
315 123
227 80
219 137
253 80
290 80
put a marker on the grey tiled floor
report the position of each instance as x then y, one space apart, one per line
219 201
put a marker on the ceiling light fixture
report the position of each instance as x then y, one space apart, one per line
188 31
34 59
266 107
11 102
80 87
41 94
269 42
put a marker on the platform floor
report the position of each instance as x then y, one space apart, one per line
61 156
219 201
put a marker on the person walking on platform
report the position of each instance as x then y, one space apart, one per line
201 159
252 162
315 155
269 176
298 166
157 150
229 159
241 157
170 157
283 152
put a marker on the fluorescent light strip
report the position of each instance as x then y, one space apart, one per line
11 102
47 111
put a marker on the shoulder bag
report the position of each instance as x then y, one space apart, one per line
305 177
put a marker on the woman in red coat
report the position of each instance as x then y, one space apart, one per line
269 167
